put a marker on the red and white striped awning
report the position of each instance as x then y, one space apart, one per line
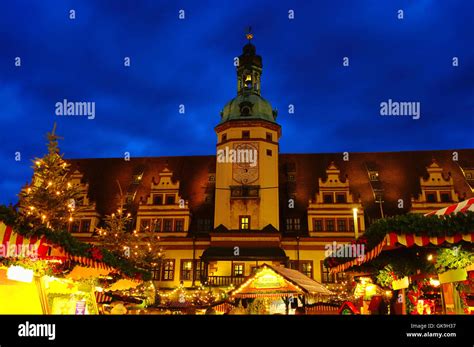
373 253
14 245
409 240
463 206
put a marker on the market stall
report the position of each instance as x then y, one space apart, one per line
39 276
277 290
427 261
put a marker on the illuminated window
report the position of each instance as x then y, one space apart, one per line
326 276
306 267
198 269
238 269
156 273
186 270
244 223
248 81
303 266
168 270
341 225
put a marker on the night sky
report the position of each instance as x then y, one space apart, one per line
190 62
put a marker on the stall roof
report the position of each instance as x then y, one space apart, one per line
307 284
279 281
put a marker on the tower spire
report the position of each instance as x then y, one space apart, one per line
249 34
249 69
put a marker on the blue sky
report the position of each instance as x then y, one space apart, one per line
190 62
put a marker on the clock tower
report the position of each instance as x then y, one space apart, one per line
246 196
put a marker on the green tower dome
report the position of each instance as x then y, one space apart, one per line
248 104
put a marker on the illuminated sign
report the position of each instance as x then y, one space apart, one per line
268 279
20 274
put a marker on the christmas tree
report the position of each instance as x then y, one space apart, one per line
143 246
50 199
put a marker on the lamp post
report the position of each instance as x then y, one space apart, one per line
356 224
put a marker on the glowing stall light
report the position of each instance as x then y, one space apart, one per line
20 274
356 224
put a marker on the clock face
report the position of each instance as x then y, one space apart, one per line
245 168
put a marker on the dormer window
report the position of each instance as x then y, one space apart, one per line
157 199
170 199
341 198
328 198
245 108
431 197
445 196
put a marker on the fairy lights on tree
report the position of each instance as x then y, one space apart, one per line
50 199
141 246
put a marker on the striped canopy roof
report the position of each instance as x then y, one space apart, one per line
463 206
409 240
14 245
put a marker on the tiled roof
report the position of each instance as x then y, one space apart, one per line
399 174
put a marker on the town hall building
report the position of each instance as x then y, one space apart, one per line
220 217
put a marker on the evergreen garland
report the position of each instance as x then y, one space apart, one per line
416 224
73 246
